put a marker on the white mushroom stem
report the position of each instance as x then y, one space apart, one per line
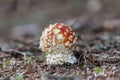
60 58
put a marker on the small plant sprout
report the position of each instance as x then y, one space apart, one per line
6 64
17 77
57 41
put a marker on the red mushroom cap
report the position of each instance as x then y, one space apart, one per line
55 35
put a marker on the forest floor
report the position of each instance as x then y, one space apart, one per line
98 56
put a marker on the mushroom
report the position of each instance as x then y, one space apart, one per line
57 41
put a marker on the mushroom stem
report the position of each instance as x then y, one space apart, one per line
61 58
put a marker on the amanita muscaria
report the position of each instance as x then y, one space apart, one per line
57 41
